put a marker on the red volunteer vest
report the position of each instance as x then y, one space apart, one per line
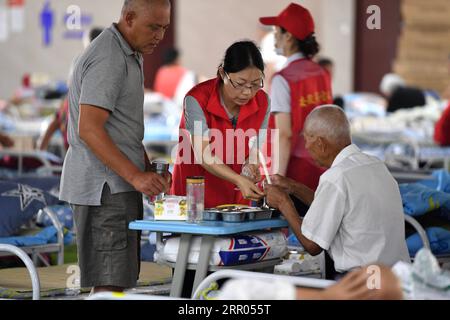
442 128
167 80
251 116
310 86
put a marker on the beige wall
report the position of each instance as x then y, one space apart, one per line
24 52
337 34
205 28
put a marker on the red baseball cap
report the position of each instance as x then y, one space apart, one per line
295 19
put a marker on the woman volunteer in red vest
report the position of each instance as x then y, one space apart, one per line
219 118
296 90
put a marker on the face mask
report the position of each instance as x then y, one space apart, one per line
280 43
279 51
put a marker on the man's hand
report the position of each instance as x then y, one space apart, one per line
150 183
168 176
292 187
251 171
282 182
359 285
276 197
279 199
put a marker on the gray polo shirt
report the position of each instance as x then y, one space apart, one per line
109 75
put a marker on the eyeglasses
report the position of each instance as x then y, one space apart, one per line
242 87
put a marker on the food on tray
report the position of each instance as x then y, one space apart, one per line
236 213
232 207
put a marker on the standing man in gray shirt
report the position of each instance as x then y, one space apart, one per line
104 171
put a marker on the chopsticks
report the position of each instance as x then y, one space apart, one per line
264 165
262 159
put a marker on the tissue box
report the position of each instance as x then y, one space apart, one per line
171 208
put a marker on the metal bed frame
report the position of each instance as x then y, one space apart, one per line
37 250
9 249
47 167
218 275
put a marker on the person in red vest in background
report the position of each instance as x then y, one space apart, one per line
442 128
220 116
173 80
296 90
25 93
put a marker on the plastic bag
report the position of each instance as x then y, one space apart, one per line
423 280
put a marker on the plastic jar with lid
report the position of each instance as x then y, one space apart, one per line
195 198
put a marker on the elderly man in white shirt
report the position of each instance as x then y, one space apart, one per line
356 213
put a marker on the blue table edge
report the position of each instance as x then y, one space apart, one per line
207 227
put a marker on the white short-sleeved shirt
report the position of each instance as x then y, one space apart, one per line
280 92
357 213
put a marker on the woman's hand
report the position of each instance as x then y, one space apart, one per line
251 171
249 190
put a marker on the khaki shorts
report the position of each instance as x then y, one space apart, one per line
108 252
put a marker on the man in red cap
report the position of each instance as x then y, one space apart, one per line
296 90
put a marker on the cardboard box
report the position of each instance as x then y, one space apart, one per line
171 208
424 44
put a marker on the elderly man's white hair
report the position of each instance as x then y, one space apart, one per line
390 82
330 122
135 4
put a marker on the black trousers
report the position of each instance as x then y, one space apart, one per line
330 271
188 283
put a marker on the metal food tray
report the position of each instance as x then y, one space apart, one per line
245 214
233 216
212 215
259 215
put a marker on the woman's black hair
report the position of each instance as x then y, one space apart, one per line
308 46
241 55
